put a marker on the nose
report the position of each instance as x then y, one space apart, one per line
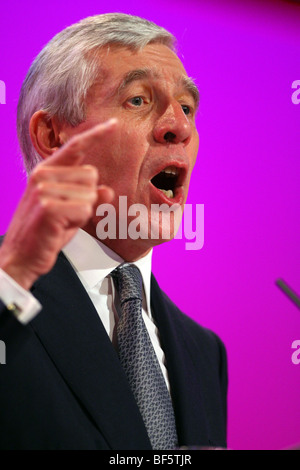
172 126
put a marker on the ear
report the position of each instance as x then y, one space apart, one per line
45 133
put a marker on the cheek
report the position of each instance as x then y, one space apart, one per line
120 159
194 149
130 148
133 132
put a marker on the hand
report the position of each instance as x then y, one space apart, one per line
59 198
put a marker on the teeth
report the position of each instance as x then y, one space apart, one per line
171 170
168 193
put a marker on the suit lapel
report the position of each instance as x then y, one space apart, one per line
75 339
73 335
183 375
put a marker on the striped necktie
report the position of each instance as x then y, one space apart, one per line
140 363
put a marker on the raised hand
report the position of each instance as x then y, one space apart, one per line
59 198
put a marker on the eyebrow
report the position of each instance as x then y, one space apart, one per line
145 73
189 84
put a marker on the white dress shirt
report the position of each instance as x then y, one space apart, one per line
12 293
93 262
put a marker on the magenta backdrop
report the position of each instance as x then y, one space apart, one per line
244 59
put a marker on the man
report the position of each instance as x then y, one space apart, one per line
106 111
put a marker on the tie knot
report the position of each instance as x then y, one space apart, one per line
129 282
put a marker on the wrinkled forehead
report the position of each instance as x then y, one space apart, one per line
121 66
181 81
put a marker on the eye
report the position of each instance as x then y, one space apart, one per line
136 101
186 109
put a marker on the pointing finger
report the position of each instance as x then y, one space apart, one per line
74 151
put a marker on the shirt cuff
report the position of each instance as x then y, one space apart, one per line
11 292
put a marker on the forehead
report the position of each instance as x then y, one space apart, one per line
121 66
116 59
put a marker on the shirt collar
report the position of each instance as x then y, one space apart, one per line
93 261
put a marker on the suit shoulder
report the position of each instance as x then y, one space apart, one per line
202 336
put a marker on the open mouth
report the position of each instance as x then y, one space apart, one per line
167 181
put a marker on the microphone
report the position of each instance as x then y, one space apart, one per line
288 292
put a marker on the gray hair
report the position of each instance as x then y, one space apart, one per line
61 75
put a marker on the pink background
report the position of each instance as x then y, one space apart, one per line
244 57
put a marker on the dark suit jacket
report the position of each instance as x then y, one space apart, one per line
63 387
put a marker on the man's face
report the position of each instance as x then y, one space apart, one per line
149 93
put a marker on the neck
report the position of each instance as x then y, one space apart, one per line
129 250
